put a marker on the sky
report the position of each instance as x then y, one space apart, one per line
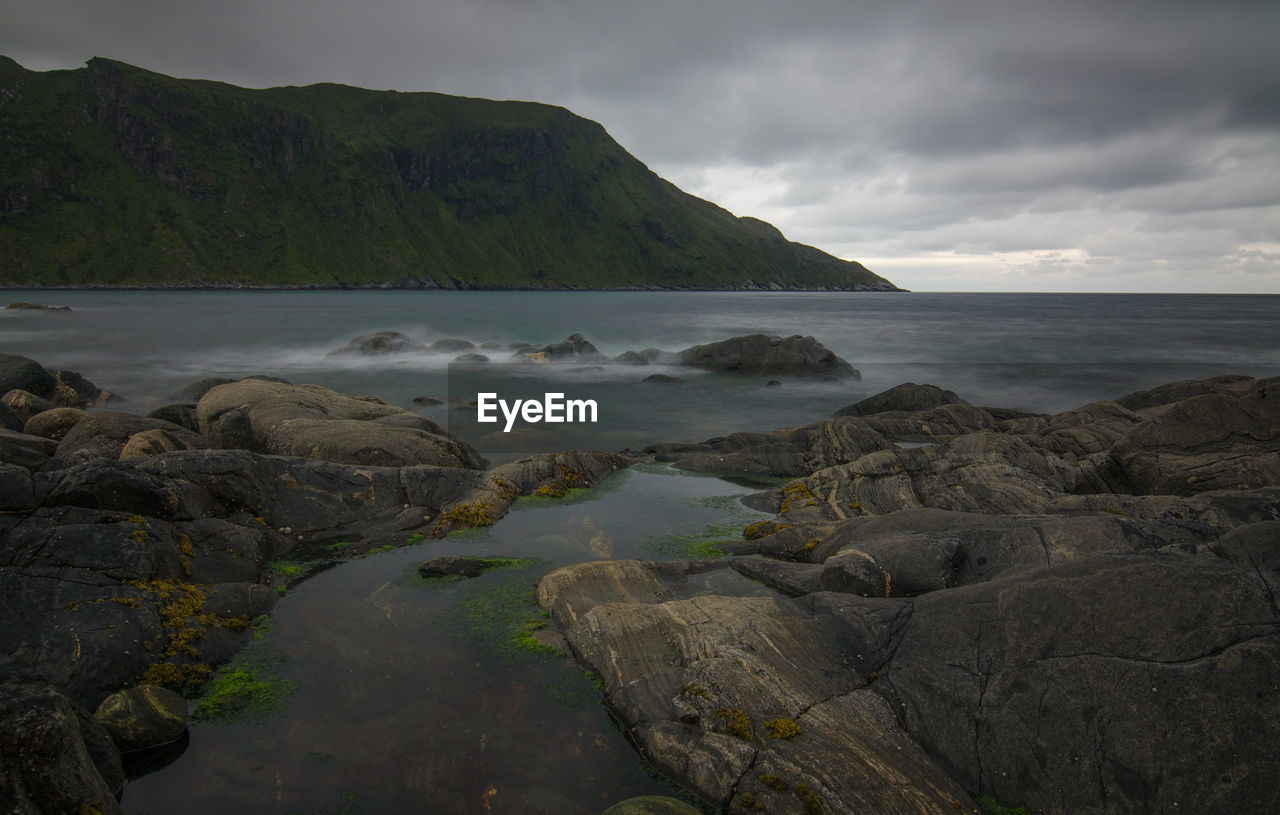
948 145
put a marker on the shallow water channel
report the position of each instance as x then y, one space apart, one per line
409 695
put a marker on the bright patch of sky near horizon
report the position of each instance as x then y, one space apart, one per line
997 145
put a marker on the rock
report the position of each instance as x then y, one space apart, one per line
1255 548
183 414
22 373
651 805
450 345
156 441
25 404
773 383
377 344
56 758
906 398
1222 440
661 378
142 717
574 348
40 444
55 423
428 401
36 307
1085 431
310 421
979 472
73 390
8 419
105 434
15 453
16 488
716 704
782 453
447 565
1145 676
855 572
644 357
789 578
470 358
933 424
192 393
763 355
1178 391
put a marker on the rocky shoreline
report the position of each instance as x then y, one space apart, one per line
1070 613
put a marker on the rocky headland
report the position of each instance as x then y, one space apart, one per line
1070 613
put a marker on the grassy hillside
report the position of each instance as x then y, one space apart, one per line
112 175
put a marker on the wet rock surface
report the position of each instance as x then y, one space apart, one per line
1072 613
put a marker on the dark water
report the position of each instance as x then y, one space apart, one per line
408 700
1035 351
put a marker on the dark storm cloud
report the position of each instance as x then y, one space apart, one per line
1066 137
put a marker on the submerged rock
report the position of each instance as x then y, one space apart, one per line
21 306
449 565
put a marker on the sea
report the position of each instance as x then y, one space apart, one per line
400 695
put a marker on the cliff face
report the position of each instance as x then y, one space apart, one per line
112 175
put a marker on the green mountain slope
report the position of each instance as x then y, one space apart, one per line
112 175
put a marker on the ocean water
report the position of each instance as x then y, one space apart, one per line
407 700
1032 351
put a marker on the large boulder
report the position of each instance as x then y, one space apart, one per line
105 434
1141 683
314 422
24 404
1222 440
22 373
62 388
54 424
765 355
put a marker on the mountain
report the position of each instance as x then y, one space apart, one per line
111 175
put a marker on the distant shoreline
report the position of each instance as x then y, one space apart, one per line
861 289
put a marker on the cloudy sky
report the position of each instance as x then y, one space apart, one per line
990 145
